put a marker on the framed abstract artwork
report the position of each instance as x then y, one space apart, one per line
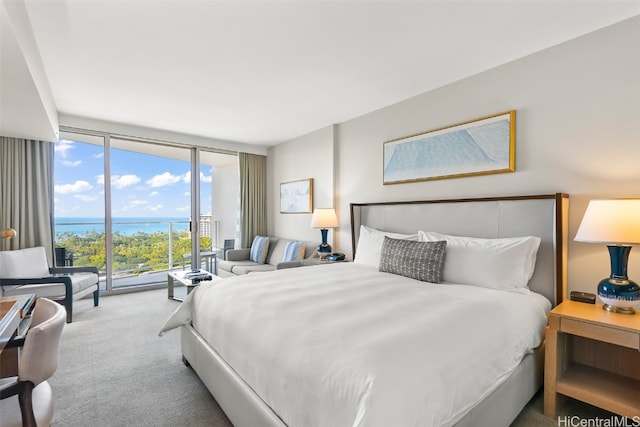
296 196
478 147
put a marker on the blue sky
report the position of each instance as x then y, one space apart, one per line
142 185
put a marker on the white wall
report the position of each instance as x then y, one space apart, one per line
310 156
226 184
577 131
26 105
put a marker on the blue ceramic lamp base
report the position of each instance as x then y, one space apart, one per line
618 293
324 248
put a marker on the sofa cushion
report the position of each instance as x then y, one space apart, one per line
24 263
245 267
226 265
276 250
259 249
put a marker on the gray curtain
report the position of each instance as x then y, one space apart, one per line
26 193
253 197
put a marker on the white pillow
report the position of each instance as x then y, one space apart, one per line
370 243
505 263
30 263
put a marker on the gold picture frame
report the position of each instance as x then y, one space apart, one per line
477 147
296 196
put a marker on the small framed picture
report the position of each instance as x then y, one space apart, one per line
296 196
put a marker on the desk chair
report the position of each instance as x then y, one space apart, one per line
27 400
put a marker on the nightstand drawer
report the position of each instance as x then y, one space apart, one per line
601 333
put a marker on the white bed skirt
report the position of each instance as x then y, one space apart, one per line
245 409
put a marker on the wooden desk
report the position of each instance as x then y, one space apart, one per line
13 321
12 313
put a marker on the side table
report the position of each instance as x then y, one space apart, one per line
593 356
180 277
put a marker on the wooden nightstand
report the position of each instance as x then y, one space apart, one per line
594 356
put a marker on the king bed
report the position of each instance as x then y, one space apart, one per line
439 320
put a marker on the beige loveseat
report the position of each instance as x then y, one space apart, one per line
237 261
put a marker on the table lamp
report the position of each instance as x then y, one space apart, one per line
617 223
8 233
324 218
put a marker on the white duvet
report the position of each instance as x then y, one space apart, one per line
346 345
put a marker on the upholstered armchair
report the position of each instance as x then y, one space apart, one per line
26 400
26 271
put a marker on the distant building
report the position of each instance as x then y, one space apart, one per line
206 229
207 226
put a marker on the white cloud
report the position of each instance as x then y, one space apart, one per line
72 163
85 197
154 208
154 193
163 180
122 181
186 178
187 193
184 209
98 155
119 181
204 178
139 202
76 187
63 146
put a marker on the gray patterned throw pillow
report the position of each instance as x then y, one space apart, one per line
410 258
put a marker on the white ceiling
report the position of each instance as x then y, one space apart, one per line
263 72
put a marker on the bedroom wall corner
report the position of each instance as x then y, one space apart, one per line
308 156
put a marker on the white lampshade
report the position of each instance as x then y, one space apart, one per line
615 221
324 218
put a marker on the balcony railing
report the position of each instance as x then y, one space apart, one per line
142 251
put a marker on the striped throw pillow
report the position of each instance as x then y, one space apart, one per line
259 249
293 251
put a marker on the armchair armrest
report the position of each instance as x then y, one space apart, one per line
36 281
238 254
71 270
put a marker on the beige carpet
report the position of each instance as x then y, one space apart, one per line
115 371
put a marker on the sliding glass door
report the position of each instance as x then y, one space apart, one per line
79 210
134 208
150 210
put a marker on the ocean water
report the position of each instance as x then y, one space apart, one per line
122 225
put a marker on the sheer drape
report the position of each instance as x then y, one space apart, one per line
26 193
253 197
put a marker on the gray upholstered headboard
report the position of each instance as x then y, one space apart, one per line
544 216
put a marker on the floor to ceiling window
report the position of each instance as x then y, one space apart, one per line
79 201
126 206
